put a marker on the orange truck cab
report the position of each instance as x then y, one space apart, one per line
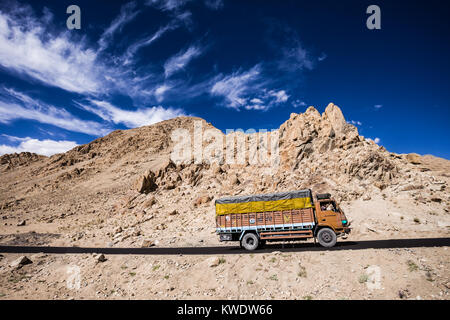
329 215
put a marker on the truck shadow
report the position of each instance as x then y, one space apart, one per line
288 247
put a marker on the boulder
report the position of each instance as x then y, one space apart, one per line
21 261
213 262
145 183
147 243
100 257
202 200
413 158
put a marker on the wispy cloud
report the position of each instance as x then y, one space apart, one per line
214 4
248 90
267 99
322 57
355 123
45 147
378 106
297 103
180 60
376 140
296 57
146 41
30 50
160 91
15 105
27 49
130 118
167 5
173 5
235 87
127 14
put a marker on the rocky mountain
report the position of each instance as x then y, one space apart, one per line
125 190
120 172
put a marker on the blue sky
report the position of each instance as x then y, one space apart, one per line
237 64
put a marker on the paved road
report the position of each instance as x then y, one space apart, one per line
297 247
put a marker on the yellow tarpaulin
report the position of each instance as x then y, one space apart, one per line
263 206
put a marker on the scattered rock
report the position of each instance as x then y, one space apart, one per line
149 202
403 294
173 213
22 223
146 243
21 261
145 183
100 257
202 200
213 262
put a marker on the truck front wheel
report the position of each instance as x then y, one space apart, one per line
326 237
250 241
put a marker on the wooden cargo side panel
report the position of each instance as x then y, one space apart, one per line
266 219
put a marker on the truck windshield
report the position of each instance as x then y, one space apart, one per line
328 206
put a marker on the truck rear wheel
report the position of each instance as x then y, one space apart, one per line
326 237
250 241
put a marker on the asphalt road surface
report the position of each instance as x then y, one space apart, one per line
289 247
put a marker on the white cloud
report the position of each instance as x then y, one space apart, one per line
298 103
26 48
132 49
280 96
167 5
322 57
353 122
378 106
15 105
180 60
247 90
131 118
159 91
62 60
214 4
256 101
127 14
45 147
376 140
235 87
296 58
259 107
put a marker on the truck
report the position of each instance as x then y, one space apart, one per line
254 220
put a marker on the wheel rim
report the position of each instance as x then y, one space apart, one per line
326 237
250 241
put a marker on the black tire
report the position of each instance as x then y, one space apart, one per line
326 237
250 241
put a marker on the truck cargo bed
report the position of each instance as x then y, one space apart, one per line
296 219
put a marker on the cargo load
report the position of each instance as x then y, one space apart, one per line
291 200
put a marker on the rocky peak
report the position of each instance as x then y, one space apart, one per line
10 161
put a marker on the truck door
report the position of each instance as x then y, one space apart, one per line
329 214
